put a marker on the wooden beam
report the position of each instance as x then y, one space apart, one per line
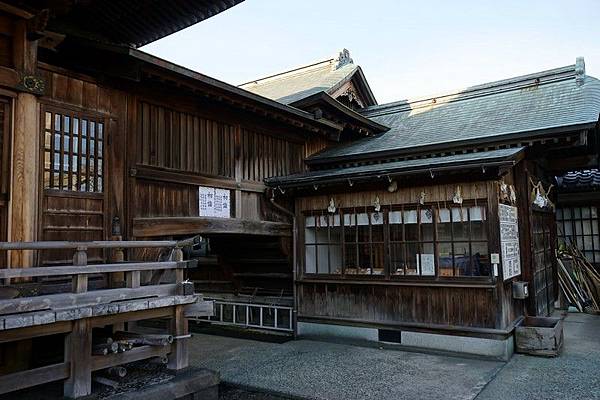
12 335
92 269
167 226
178 359
135 354
24 379
70 300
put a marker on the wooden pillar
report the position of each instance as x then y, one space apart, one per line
78 352
23 208
178 359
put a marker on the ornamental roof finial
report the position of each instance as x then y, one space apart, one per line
342 59
579 71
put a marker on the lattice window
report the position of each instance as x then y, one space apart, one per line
579 226
73 152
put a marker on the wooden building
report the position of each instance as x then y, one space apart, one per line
425 234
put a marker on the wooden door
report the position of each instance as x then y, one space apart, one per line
5 118
544 263
73 177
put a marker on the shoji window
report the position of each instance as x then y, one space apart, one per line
579 226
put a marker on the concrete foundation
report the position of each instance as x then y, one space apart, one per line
500 349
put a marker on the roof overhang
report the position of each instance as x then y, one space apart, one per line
132 22
503 158
325 101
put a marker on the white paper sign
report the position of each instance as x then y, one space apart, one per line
426 264
509 241
213 202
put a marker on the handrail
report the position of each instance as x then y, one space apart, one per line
108 244
94 269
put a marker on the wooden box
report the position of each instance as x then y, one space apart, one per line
539 336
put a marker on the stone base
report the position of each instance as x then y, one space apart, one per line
500 349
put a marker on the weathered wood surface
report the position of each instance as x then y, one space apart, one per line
50 316
199 309
23 379
104 244
93 269
162 226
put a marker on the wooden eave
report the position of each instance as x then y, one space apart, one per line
233 95
349 116
362 85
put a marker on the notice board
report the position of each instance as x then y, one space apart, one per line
509 241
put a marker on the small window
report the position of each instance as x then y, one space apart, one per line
578 226
73 160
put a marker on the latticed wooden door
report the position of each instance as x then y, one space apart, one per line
544 262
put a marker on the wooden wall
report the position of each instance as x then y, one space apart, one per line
73 215
477 304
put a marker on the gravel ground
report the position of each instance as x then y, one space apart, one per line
319 370
574 375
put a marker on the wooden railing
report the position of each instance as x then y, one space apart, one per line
78 311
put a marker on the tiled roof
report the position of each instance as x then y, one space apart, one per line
297 84
424 165
579 180
520 106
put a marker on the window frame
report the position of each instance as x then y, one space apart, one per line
77 176
388 242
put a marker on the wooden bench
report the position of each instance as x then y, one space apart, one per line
76 313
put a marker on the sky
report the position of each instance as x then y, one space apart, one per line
406 49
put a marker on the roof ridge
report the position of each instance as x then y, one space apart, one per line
288 72
489 88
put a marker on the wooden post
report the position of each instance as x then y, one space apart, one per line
78 352
178 359
23 208
25 166
80 282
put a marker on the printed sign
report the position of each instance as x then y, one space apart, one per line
426 264
213 202
509 241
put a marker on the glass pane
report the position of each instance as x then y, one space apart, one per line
411 229
335 259
47 140
47 179
92 129
559 214
444 226
364 259
412 251
311 260
76 126
460 223
323 259
377 227
577 213
362 220
48 124
478 217
350 228
75 144
427 224
100 130
585 213
587 227
378 259
350 258
57 141
100 186
594 212
587 242
84 125
67 124
335 229
395 222
462 259
57 118
309 230
397 259
481 259
445 261
100 149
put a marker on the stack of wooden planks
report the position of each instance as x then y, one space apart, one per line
579 281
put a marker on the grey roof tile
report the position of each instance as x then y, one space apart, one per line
291 86
521 105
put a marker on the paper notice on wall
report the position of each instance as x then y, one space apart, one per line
426 264
214 202
509 241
